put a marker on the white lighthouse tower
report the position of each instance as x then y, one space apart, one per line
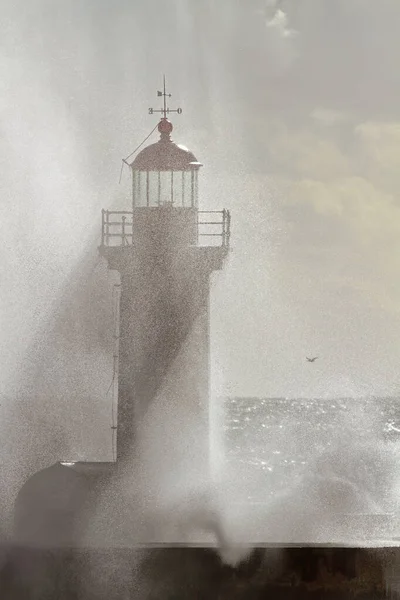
165 249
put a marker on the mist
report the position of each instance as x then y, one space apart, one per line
299 134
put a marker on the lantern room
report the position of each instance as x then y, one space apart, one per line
164 211
165 174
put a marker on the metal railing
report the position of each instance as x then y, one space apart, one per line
218 227
116 228
213 228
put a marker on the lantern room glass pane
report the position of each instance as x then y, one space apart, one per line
152 192
136 188
196 189
166 197
187 189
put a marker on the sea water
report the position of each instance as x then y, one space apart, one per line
278 443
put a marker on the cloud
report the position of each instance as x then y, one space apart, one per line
340 202
276 39
276 18
307 150
378 147
371 213
327 117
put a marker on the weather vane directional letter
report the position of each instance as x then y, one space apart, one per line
165 110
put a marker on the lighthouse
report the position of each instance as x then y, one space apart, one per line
165 249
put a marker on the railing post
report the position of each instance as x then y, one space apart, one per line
123 230
107 227
102 226
224 227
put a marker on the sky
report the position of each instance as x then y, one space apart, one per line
292 107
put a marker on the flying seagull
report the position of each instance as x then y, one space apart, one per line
311 359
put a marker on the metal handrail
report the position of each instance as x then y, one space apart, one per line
125 238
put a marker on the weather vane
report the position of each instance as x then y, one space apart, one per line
165 110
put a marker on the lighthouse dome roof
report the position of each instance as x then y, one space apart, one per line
165 155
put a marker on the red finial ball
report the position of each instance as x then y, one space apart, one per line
165 126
